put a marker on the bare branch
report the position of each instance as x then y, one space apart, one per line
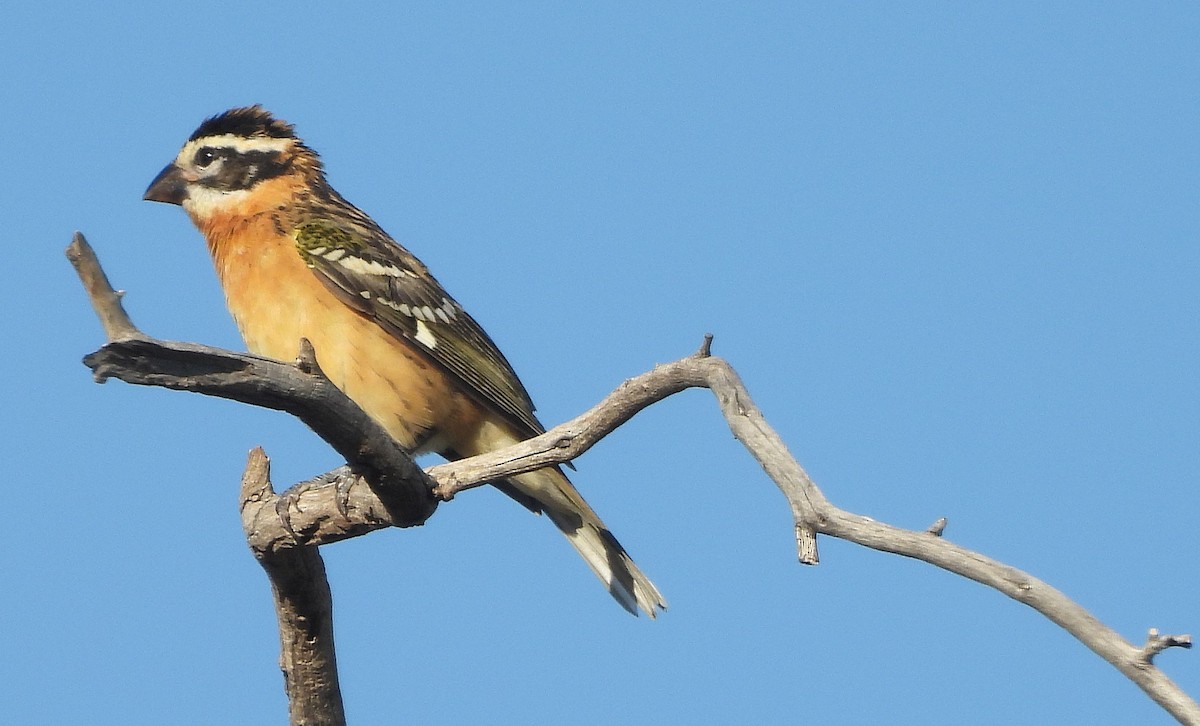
1156 643
402 487
304 607
569 440
105 301
340 505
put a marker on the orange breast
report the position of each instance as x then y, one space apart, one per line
276 300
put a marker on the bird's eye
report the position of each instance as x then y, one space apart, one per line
204 157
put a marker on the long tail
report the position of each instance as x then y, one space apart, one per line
554 494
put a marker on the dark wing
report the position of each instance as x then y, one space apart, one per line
368 271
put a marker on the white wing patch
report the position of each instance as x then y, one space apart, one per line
424 336
398 307
445 312
361 266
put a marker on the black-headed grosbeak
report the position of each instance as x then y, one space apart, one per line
296 260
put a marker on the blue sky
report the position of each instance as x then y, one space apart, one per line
951 248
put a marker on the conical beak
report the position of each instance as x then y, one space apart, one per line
169 186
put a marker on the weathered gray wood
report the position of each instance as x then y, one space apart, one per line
340 505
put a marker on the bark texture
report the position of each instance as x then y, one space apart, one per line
383 487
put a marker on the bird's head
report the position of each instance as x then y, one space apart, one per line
228 158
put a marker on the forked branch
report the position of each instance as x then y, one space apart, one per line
344 504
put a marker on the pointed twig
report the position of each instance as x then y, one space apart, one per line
105 301
175 365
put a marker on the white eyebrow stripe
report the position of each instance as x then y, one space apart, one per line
240 144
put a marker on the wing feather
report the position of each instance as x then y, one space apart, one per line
373 274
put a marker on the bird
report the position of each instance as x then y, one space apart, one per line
296 260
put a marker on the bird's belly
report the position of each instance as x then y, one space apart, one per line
407 393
